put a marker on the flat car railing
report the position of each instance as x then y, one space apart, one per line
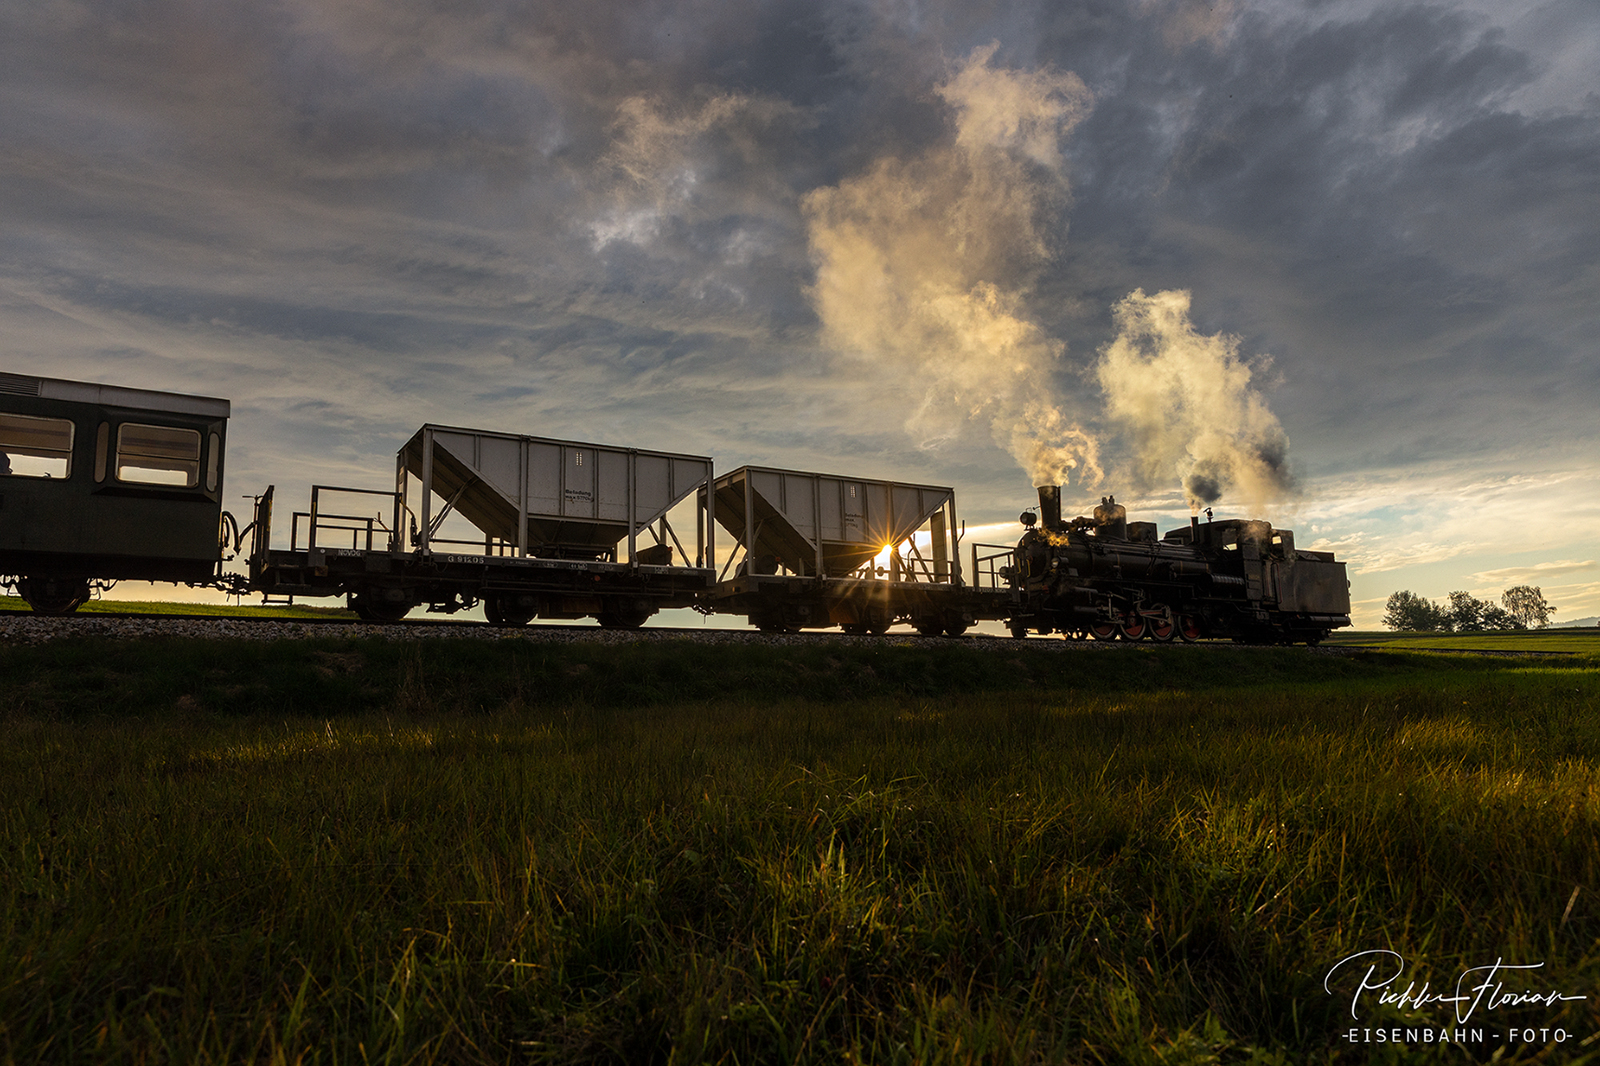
319 521
986 568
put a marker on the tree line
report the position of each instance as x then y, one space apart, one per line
1522 607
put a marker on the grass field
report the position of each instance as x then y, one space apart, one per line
1584 641
913 852
203 610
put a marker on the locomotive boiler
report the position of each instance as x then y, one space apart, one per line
1104 577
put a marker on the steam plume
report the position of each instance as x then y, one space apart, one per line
1190 408
923 264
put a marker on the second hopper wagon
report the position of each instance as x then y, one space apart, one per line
817 550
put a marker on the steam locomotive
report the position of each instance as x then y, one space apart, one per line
1105 577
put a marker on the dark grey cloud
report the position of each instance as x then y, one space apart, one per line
586 218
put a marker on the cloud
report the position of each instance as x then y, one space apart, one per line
1528 575
923 265
1189 406
1190 22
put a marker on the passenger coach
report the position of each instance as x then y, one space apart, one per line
100 483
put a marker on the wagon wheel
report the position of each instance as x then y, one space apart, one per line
501 612
929 626
1018 630
855 629
955 625
491 611
53 596
879 626
370 609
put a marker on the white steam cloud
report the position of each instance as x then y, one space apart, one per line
923 264
1188 404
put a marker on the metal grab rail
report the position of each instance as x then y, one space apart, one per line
317 520
328 523
989 566
492 546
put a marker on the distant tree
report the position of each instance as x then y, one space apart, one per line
1499 618
1466 613
1526 604
1415 614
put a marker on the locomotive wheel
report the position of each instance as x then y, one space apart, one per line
1104 630
1133 627
1188 629
1162 629
53 596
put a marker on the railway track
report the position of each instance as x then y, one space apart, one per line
23 627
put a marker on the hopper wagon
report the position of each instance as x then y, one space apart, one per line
819 550
566 530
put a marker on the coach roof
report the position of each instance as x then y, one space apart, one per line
113 396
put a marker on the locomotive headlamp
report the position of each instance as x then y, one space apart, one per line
1027 518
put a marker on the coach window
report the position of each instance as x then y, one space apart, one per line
158 455
35 447
102 451
213 461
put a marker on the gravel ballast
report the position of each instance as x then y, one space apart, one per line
20 628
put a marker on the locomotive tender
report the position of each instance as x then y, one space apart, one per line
100 483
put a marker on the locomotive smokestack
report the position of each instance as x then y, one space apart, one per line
1050 506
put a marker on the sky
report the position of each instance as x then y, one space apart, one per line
1335 263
